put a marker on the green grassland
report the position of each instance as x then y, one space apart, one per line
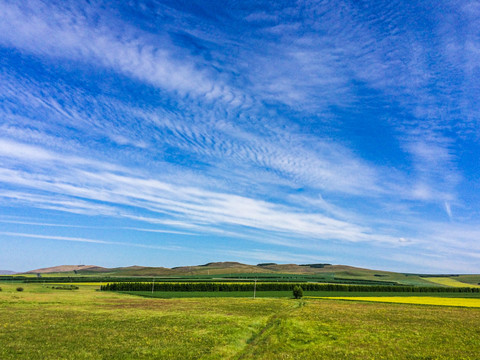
288 294
469 279
44 323
342 277
450 281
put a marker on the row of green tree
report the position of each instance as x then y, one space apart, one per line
264 278
303 278
215 286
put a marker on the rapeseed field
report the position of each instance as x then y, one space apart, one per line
418 300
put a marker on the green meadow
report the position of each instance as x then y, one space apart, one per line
288 294
45 323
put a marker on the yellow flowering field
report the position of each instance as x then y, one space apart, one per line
419 300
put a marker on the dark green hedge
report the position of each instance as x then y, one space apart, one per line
213 286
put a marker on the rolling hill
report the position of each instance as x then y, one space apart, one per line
7 272
227 267
236 270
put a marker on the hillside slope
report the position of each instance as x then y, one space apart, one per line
230 269
67 268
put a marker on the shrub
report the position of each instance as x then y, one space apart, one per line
19 288
65 287
297 292
0 289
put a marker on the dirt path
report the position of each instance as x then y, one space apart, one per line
272 324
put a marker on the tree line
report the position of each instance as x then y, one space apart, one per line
215 286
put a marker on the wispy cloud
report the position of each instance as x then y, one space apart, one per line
108 191
86 240
44 224
274 256
70 34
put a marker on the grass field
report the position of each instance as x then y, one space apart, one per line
288 294
469 279
295 273
42 323
448 281
96 284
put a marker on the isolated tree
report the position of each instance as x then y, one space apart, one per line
297 292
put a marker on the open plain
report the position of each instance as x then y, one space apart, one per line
45 323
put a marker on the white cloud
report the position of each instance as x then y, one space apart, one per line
448 209
69 34
108 193
87 240
30 154
275 256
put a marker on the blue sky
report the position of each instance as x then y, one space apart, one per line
182 132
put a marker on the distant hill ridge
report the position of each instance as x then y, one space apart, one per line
67 268
236 270
212 268
7 272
